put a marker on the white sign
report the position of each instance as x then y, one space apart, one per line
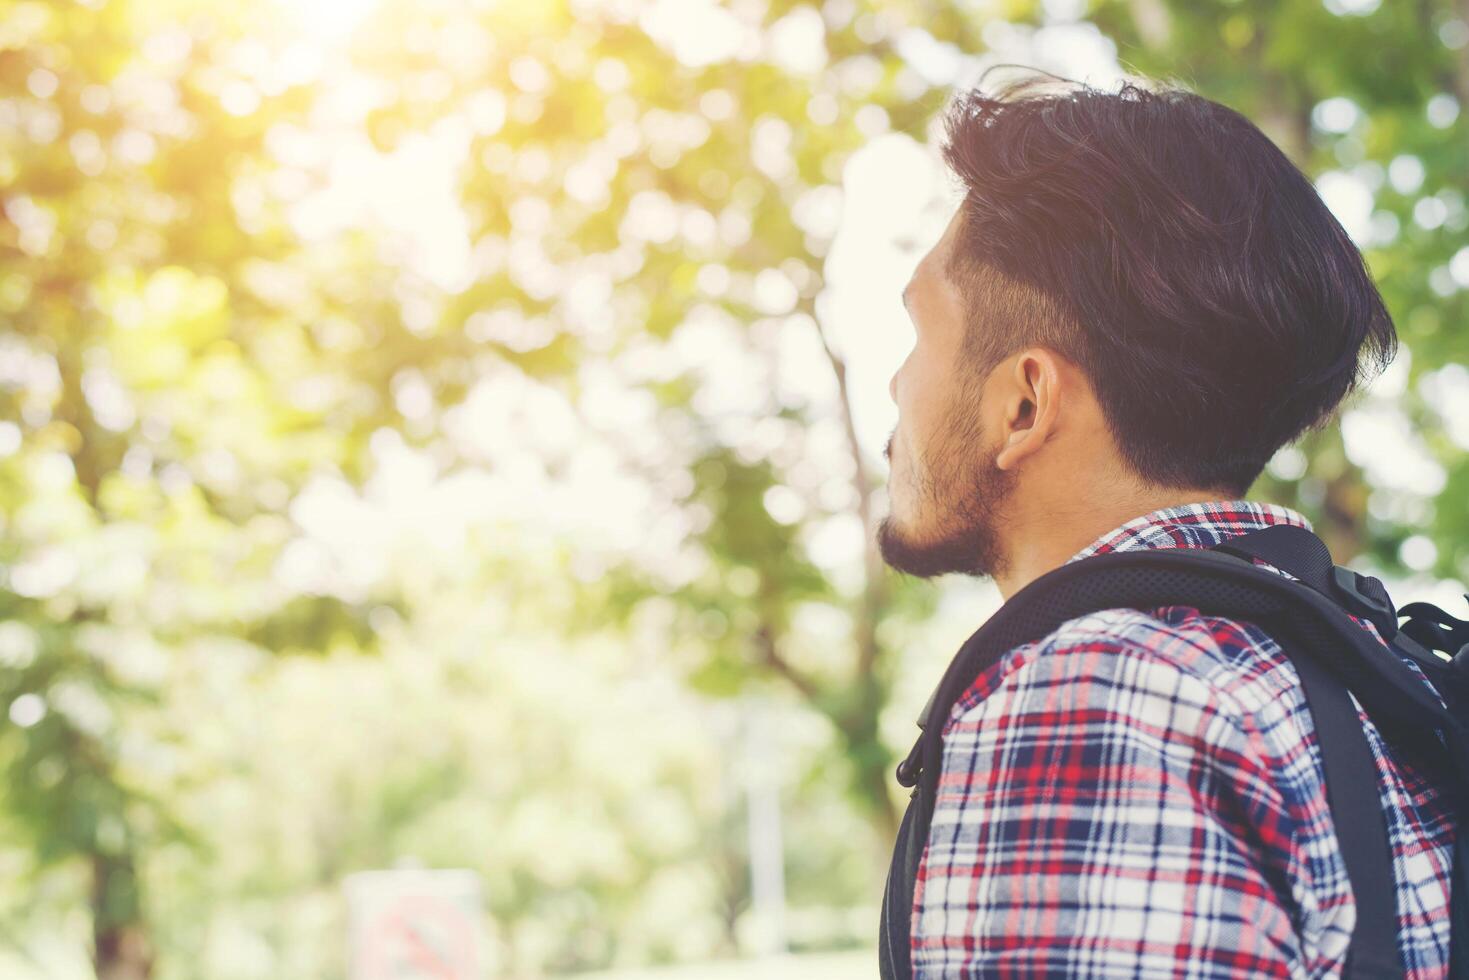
415 925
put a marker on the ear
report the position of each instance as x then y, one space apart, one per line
1030 399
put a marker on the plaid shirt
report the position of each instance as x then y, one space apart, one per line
1140 794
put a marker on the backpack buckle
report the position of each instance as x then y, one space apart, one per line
912 767
1365 596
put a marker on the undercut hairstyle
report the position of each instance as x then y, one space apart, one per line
1167 247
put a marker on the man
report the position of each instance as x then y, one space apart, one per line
1137 303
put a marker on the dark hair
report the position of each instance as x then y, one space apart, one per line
1172 251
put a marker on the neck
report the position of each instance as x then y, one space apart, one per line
1044 535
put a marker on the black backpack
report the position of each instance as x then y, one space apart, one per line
1331 653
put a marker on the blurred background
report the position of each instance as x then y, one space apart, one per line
440 443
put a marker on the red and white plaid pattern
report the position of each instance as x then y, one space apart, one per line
1140 794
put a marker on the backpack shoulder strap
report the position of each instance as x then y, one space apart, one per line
1296 550
1356 811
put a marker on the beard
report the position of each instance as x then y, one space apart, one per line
958 496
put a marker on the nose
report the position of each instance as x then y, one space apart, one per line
893 388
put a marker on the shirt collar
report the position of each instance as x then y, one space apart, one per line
1199 525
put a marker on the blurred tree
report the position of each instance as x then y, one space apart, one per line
150 424
625 193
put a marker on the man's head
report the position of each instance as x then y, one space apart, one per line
1139 299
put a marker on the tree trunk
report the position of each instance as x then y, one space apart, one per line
120 946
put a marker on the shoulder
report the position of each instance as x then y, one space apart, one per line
1167 660
1131 700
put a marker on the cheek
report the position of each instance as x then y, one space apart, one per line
925 403
911 466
